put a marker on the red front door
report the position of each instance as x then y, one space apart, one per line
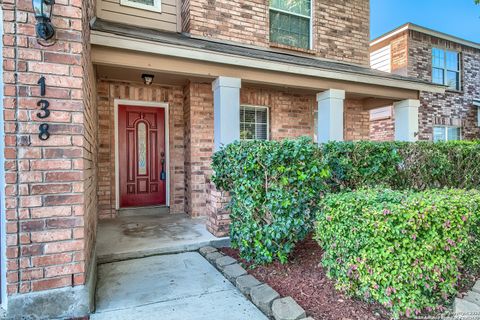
142 156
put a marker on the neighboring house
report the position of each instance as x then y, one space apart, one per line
429 55
223 70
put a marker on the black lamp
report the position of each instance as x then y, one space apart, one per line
43 14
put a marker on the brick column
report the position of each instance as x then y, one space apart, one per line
406 120
50 184
330 115
218 222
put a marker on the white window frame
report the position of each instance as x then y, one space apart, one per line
310 37
445 68
446 132
268 119
157 5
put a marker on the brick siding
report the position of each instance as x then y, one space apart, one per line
451 108
50 221
340 28
382 130
107 92
356 121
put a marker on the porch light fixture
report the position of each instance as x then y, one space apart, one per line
148 78
43 13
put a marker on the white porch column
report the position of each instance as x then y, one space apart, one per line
226 110
406 120
330 115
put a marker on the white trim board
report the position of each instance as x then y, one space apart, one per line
138 103
127 43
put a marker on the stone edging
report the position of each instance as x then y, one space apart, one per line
469 306
262 295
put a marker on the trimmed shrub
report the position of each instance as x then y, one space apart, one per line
402 249
403 165
275 187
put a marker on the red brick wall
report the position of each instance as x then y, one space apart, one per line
48 181
107 92
382 130
198 139
291 115
340 28
356 121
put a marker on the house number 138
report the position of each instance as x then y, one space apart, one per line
43 104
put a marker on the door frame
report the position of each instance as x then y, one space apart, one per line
146 104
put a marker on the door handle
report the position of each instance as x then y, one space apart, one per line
163 174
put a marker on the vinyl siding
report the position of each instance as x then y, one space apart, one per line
168 19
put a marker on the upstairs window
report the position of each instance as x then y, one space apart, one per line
290 22
446 68
253 123
444 133
152 5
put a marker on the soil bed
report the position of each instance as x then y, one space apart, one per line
304 279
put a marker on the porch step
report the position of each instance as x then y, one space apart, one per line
138 236
156 211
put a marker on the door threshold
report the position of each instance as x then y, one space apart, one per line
143 211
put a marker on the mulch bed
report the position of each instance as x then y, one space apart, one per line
304 279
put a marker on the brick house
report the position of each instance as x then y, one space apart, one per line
422 53
222 71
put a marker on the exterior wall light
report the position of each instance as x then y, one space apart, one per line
148 78
43 14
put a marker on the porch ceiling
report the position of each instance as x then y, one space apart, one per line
108 58
174 53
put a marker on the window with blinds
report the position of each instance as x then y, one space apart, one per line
290 22
254 123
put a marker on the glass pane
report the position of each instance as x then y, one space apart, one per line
438 58
439 134
289 30
261 115
315 126
452 61
453 80
247 132
453 133
142 148
146 2
249 115
296 6
261 133
437 76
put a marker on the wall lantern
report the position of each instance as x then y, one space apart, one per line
43 14
147 78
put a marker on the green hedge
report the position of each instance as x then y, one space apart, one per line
275 185
275 188
400 248
403 165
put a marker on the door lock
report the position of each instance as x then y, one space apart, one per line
163 174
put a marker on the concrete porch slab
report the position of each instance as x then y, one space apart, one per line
176 286
143 235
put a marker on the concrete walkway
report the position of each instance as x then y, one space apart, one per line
141 235
180 286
